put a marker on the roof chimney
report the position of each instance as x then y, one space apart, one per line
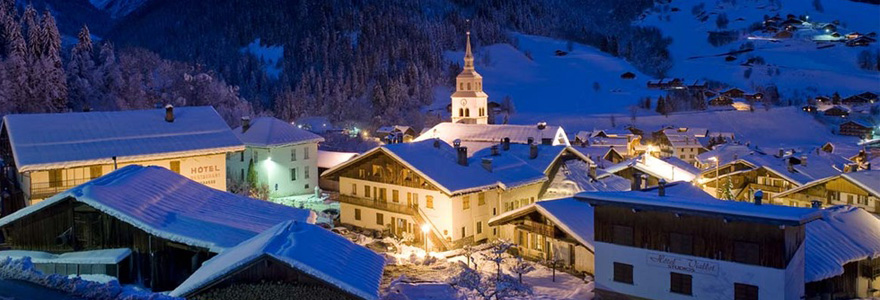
759 195
816 204
462 155
662 189
505 144
593 171
790 165
494 149
487 164
542 125
804 160
533 151
436 143
245 123
781 152
169 113
636 182
456 143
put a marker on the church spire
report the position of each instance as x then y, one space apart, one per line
468 55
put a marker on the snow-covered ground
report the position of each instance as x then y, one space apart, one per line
804 68
549 84
269 55
318 204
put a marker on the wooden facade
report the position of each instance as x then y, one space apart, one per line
710 237
539 238
860 279
268 269
855 129
69 226
745 181
836 191
381 168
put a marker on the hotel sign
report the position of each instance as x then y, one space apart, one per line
683 264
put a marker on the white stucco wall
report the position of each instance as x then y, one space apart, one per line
652 280
273 167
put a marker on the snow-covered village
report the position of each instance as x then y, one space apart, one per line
439 149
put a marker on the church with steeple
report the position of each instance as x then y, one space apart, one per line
469 102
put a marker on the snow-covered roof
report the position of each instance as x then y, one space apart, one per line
394 128
493 133
573 216
844 234
104 256
269 131
657 168
683 165
867 180
574 177
817 165
168 205
330 159
621 143
686 198
510 168
595 152
308 248
65 140
725 153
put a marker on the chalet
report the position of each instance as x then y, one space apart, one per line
754 96
792 22
304 256
784 34
720 100
823 99
50 153
398 188
396 133
734 93
810 108
837 111
666 84
683 143
170 224
560 228
772 174
282 156
623 141
577 176
671 243
829 27
855 100
860 41
853 188
647 171
857 128
481 136
601 154
871 97
853 35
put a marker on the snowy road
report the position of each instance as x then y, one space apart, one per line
20 290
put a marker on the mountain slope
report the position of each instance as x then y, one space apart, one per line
118 8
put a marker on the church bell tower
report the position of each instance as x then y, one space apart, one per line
469 102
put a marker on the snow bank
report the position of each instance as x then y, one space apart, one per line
23 270
106 256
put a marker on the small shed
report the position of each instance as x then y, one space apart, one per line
294 253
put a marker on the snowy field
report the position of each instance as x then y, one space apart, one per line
547 83
804 69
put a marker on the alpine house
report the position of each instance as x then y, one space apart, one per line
282 156
50 153
431 185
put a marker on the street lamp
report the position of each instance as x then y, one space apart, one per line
715 159
425 230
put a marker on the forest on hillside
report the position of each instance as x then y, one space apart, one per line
367 62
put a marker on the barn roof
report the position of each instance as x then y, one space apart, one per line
64 140
269 131
308 248
173 207
685 198
844 234
573 216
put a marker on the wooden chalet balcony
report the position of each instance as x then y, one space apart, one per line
386 206
41 190
539 228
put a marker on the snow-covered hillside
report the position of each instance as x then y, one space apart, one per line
540 82
118 8
804 66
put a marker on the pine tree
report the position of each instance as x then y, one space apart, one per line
111 77
81 79
55 84
727 190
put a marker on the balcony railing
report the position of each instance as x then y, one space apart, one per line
539 228
386 206
49 189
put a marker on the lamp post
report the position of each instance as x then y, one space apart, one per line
425 230
717 172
